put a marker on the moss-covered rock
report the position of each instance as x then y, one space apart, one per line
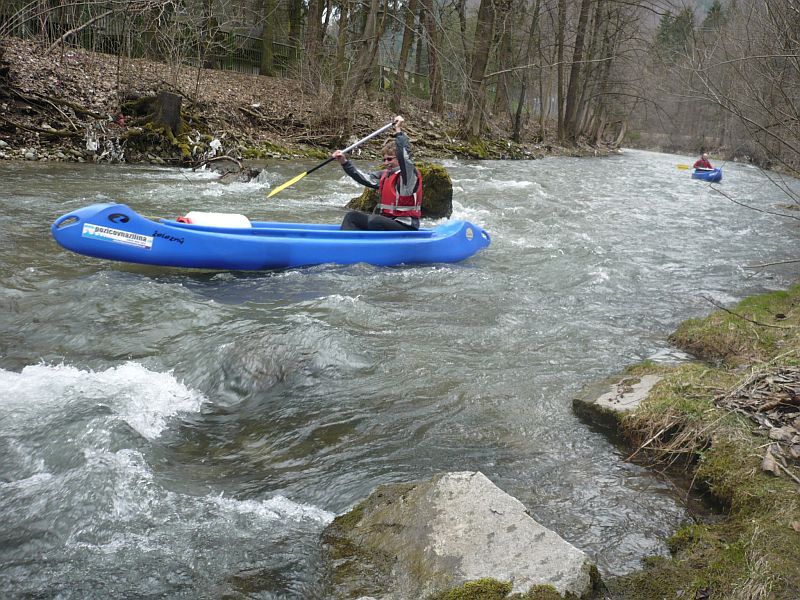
437 193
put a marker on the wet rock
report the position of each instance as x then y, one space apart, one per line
415 539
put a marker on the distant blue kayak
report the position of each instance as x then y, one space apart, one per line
116 232
710 175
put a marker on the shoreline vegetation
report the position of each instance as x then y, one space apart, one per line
728 423
68 106
725 428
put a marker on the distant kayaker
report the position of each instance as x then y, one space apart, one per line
399 188
703 163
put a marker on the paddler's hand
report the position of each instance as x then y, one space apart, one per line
398 123
339 155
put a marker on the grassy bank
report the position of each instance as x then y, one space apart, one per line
732 424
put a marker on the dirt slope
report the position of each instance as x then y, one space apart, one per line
52 103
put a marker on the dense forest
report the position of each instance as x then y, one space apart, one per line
721 75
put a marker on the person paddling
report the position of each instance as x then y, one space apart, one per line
399 188
703 163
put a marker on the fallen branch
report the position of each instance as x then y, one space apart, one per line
761 210
38 98
77 29
770 264
54 132
788 472
215 159
727 310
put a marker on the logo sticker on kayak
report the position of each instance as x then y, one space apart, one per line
469 233
97 232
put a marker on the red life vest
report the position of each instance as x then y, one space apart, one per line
702 163
393 204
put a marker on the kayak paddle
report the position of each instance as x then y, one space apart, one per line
682 167
294 180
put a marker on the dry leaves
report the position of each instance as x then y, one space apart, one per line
253 110
771 398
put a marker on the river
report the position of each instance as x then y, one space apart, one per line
170 433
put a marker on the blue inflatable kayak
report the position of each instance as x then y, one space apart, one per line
710 175
232 242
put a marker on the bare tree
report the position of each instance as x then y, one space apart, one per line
312 73
408 38
476 90
434 67
267 38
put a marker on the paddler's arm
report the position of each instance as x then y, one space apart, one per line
370 180
408 172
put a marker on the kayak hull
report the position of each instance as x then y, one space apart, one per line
116 232
712 176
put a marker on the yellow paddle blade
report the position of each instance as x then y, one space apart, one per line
683 166
283 186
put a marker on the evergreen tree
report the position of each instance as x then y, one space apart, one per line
715 18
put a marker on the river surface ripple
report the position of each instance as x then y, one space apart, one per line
189 434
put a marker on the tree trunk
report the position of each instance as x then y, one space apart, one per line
312 76
562 22
505 59
408 37
267 37
571 108
295 17
462 23
340 65
361 74
532 35
476 91
420 40
167 112
435 81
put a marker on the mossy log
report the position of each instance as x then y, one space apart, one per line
437 196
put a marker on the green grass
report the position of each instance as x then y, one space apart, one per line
753 551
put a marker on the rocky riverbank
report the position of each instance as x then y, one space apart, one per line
729 424
726 426
73 105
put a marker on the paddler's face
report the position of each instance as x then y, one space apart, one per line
390 162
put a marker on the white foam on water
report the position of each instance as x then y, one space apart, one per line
140 513
478 216
273 509
144 399
234 189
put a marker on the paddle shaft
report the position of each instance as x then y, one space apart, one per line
326 161
353 147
